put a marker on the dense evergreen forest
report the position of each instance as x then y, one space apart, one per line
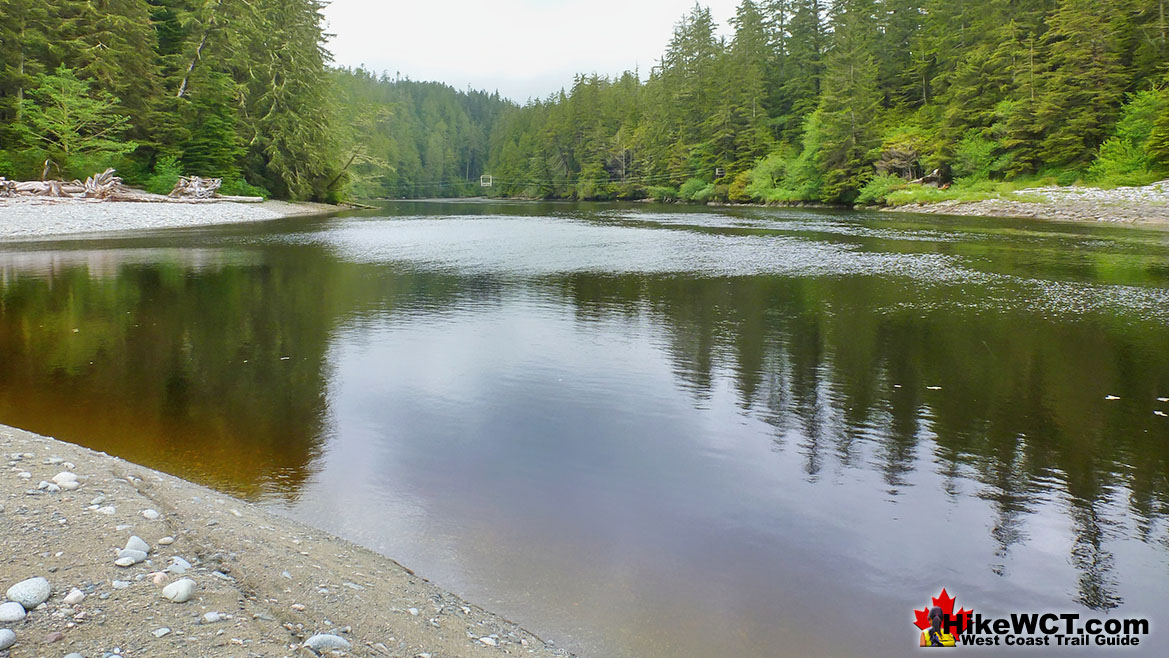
846 101
809 100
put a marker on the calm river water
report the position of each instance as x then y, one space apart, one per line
645 432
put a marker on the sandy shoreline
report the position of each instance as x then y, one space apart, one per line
25 218
1147 205
264 584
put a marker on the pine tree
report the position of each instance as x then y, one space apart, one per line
850 101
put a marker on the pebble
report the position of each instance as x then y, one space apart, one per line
178 565
70 486
7 638
161 632
135 543
166 541
120 584
108 510
413 611
325 642
134 556
180 591
30 593
125 562
211 617
74 597
150 514
489 641
55 636
24 475
74 655
159 578
11 611
65 476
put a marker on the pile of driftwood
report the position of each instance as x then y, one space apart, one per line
193 187
107 186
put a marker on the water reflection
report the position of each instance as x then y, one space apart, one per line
552 413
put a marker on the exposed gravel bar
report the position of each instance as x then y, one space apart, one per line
38 217
1124 205
222 577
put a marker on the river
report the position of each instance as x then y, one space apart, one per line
644 431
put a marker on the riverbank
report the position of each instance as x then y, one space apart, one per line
1146 205
24 218
263 585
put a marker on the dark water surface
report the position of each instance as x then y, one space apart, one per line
645 433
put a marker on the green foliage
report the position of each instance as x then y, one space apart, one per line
977 158
1125 158
240 187
696 190
877 190
167 172
77 128
663 193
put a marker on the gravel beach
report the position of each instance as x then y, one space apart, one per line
1148 205
103 558
40 217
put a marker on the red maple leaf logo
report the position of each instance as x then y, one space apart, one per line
946 603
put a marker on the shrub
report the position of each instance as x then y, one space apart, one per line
977 158
878 188
693 188
1126 157
663 193
167 172
240 187
737 191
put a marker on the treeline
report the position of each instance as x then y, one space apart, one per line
225 88
414 139
845 101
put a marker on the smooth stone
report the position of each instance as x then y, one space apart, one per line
120 584
180 591
42 485
178 565
7 638
70 486
125 562
64 476
211 617
108 510
166 541
74 655
133 555
53 488
159 578
489 641
325 642
161 632
11 611
150 514
135 543
74 597
30 593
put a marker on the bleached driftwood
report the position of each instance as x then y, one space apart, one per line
194 187
7 187
103 186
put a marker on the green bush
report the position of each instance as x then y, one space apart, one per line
7 169
167 172
663 193
240 187
976 158
1125 158
696 189
878 188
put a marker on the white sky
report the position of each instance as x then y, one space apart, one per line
522 48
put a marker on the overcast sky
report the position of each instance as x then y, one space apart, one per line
522 48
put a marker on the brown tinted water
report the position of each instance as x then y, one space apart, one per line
644 432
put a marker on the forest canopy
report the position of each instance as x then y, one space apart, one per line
839 101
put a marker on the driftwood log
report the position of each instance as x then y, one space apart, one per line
194 187
107 186
103 186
